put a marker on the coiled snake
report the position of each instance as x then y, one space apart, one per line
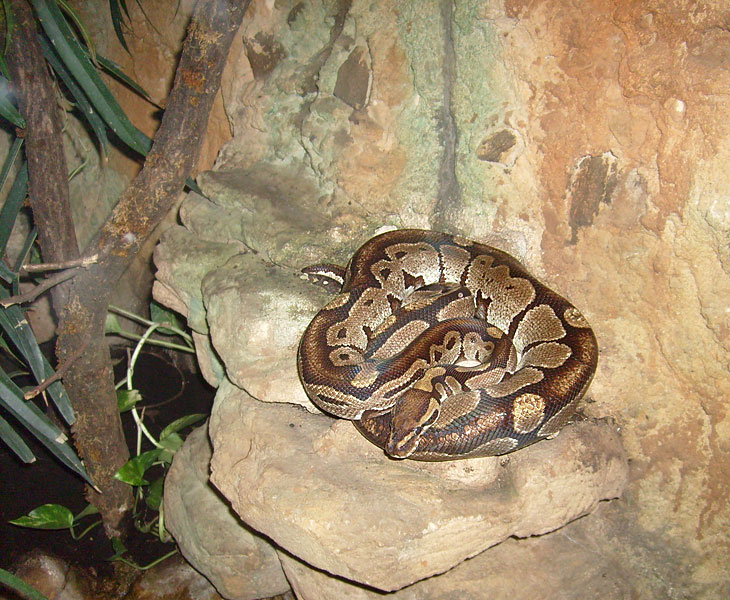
440 348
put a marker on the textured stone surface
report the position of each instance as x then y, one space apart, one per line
614 191
510 571
316 488
239 563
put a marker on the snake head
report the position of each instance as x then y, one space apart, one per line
413 413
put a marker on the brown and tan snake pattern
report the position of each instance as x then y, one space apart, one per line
440 348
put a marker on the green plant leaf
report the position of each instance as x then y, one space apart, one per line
26 249
47 516
10 160
15 442
81 67
153 497
160 314
7 108
132 472
17 584
31 417
182 423
79 26
119 548
16 327
118 22
82 102
112 324
15 199
116 71
12 399
171 442
88 511
127 399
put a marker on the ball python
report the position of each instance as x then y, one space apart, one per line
439 348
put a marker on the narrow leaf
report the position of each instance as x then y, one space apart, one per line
83 70
10 160
118 22
79 25
116 71
17 584
15 199
16 327
11 398
82 102
25 250
15 442
30 417
7 108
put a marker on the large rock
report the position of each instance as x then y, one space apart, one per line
588 139
239 562
314 486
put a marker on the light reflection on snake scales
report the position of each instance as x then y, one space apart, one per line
441 348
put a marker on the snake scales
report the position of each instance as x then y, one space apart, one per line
440 348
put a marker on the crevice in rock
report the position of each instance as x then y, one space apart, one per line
449 192
309 88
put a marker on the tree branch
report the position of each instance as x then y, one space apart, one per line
47 170
142 206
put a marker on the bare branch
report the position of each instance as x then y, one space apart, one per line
39 289
57 266
58 375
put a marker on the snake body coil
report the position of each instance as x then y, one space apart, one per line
441 348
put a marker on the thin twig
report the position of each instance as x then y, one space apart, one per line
58 375
57 266
46 284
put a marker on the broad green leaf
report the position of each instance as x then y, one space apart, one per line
48 516
112 324
153 496
119 548
132 472
171 442
17 584
181 423
88 511
127 399
160 314
15 442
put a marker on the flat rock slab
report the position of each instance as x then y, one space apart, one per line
316 488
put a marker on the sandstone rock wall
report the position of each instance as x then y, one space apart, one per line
589 139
